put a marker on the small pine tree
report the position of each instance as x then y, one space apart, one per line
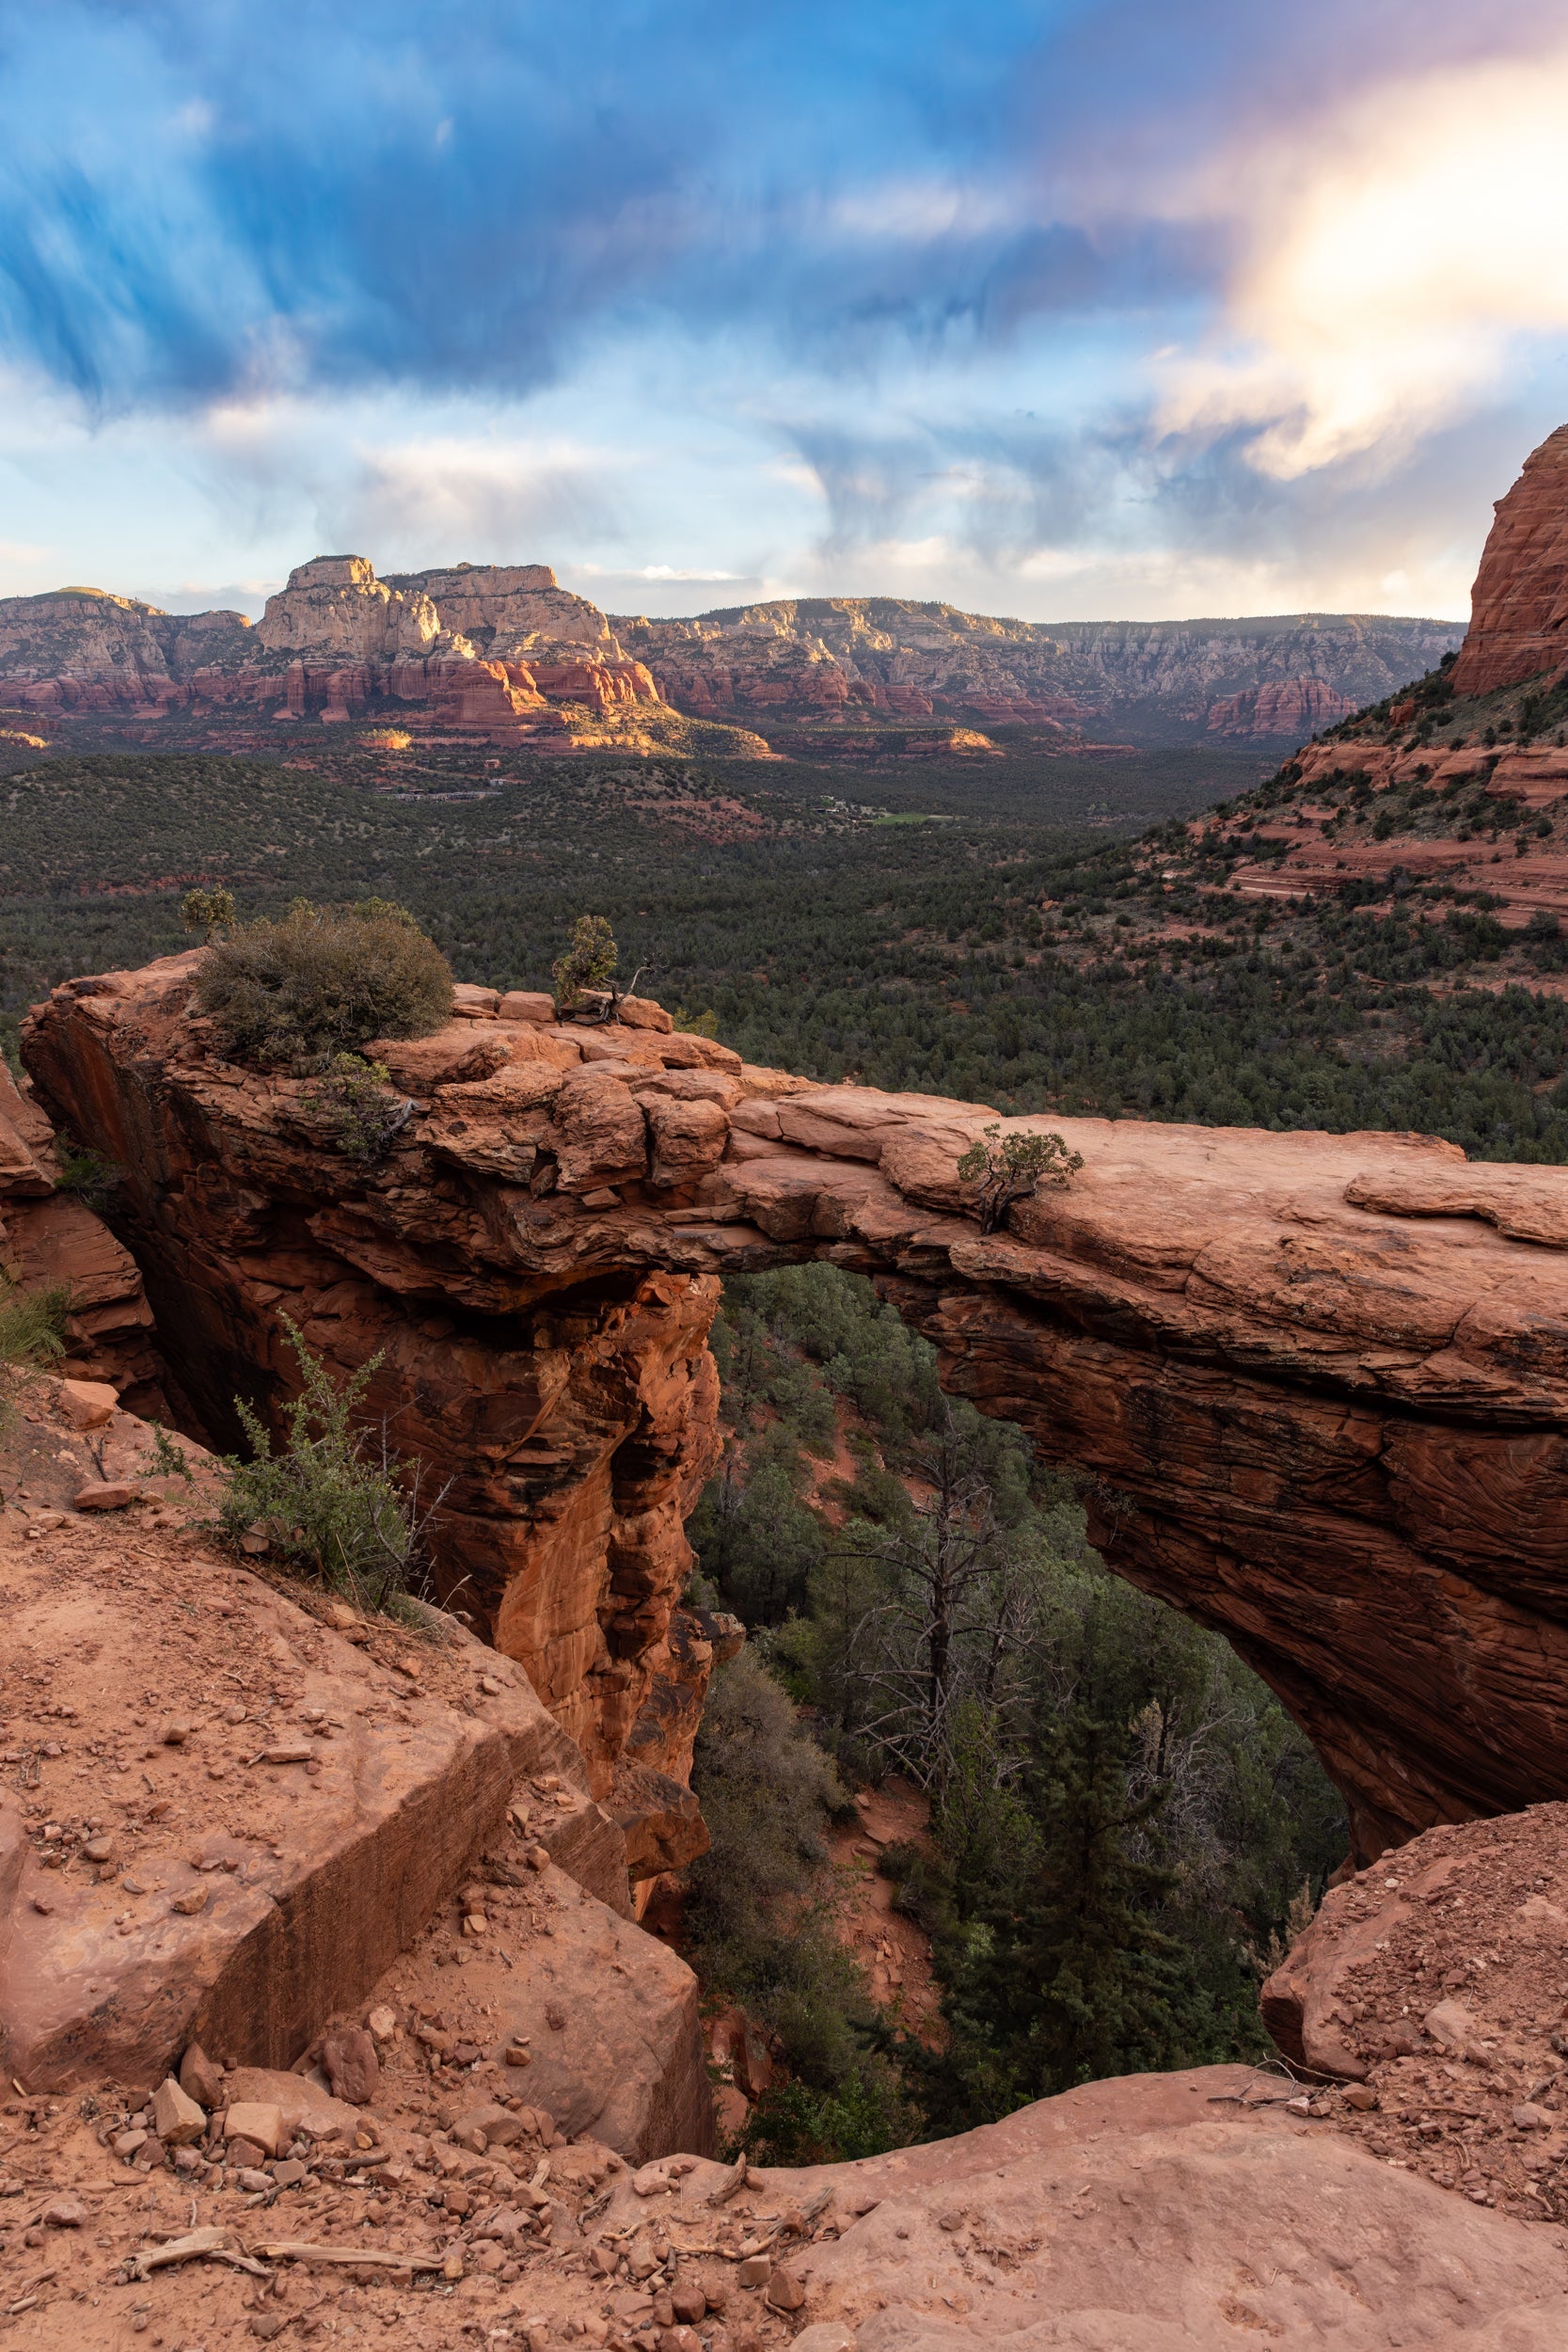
587 964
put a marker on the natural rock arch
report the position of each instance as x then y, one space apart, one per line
1319 1383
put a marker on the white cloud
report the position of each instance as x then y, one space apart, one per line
1395 257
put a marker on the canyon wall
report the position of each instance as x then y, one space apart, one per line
498 648
1318 1384
1270 678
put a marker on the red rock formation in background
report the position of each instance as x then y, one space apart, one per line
1319 1383
1519 604
1296 707
336 643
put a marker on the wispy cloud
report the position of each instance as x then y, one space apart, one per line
1012 300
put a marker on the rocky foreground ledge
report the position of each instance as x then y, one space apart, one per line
1319 1383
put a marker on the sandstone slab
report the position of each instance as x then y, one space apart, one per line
245 1903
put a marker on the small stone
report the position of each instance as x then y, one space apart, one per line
755 2271
175 1733
246 2153
105 1497
43 1904
689 2304
85 1404
451 2263
490 1686
64 2213
537 1858
475 1923
341 1617
199 2079
128 2144
516 2056
382 2023
1361 2096
785 2291
350 2064
176 2118
290 2174
408 1665
555 2018
1530 2117
193 1900
254 2181
99 1849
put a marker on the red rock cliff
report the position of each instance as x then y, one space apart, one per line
1319 1383
1519 604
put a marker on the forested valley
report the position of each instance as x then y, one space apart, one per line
1126 1826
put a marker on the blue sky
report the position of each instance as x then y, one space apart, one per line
1119 307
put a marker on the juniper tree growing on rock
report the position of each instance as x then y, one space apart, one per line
1005 1168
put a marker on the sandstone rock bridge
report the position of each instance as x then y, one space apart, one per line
1319 1383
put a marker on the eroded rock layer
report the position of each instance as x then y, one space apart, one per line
1319 1383
1519 604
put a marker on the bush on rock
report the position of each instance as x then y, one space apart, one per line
322 981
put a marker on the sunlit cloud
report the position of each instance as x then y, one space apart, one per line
1399 256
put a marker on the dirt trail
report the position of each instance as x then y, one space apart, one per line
893 1950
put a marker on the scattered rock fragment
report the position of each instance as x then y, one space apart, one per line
350 2064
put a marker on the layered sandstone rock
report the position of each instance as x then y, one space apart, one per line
1519 604
1319 1383
51 1241
332 644
1294 707
81 649
338 641
833 655
336 607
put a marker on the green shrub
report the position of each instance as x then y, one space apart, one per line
360 1112
322 982
86 1173
31 1332
331 1501
207 911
